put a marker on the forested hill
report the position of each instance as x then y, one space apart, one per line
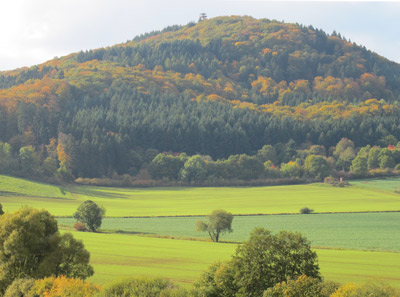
224 86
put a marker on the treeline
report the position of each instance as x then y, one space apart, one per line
120 129
61 160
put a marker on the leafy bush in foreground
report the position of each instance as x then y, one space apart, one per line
63 287
367 289
20 287
142 287
301 287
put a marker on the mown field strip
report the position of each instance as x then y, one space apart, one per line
119 255
372 231
122 202
360 266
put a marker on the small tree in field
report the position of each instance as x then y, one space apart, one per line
219 221
90 214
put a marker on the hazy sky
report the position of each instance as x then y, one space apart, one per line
34 31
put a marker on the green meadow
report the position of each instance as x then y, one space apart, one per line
355 230
364 231
117 255
124 202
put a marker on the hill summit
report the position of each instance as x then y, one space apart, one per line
222 86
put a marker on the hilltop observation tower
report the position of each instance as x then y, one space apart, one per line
202 17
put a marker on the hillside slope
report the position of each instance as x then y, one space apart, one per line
219 87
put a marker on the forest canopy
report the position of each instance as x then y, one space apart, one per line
220 87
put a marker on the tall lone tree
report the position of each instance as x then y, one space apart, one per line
219 221
90 214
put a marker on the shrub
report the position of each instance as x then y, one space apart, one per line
367 289
306 210
20 287
303 286
80 227
335 182
142 287
63 286
342 184
331 180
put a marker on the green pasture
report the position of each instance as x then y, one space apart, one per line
385 184
118 255
363 231
126 253
121 202
22 188
359 266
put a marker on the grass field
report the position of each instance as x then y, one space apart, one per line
120 202
372 231
17 187
387 184
116 255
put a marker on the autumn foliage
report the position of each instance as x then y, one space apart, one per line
223 86
63 286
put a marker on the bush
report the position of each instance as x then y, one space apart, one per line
63 287
142 287
80 227
335 182
331 180
342 184
20 287
303 286
306 210
367 289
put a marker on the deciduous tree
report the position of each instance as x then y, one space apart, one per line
90 214
32 247
266 259
260 263
219 221
317 166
